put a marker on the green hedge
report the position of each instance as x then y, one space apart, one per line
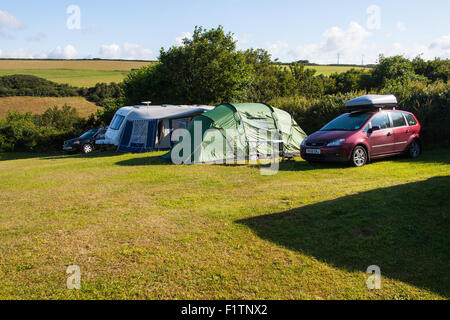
43 133
26 85
429 102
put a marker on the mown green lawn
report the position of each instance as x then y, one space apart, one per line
140 228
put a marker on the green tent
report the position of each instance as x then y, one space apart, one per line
236 132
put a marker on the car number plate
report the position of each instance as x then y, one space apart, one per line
313 151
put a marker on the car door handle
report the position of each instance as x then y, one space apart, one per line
407 131
389 134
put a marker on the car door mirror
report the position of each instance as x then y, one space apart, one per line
374 128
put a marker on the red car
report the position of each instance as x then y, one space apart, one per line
372 129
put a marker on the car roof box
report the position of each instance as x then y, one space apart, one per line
370 102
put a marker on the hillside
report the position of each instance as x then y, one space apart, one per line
86 73
38 105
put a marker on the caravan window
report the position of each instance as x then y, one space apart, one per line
117 122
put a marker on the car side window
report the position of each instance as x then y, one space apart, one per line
410 119
381 120
398 119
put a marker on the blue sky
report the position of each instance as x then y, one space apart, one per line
289 29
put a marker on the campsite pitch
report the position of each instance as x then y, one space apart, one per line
140 228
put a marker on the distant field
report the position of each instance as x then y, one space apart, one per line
39 105
80 73
105 65
328 70
86 73
77 78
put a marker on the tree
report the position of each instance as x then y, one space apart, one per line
264 82
437 69
396 68
206 69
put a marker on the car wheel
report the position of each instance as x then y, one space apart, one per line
415 149
359 157
87 148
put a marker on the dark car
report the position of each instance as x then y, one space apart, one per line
87 142
370 130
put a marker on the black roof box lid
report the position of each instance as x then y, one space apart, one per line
372 101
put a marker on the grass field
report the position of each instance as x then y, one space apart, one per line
39 105
87 73
140 228
105 65
76 78
328 70
80 73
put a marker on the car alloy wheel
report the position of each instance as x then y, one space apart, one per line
359 157
87 148
414 149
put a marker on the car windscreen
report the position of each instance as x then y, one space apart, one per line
348 122
117 122
89 134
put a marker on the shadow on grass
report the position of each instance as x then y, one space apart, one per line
92 155
147 161
55 156
405 230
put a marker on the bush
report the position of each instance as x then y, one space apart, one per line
46 132
104 116
313 113
25 85
431 105
429 102
102 93
434 70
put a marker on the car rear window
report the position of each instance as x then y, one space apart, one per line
397 119
410 119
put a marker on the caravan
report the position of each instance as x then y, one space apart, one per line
146 128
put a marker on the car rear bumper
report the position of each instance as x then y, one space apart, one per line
327 154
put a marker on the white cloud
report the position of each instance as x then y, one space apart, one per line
348 43
352 45
401 26
20 53
9 21
438 48
110 51
275 48
184 35
242 40
442 43
128 51
68 52
337 39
